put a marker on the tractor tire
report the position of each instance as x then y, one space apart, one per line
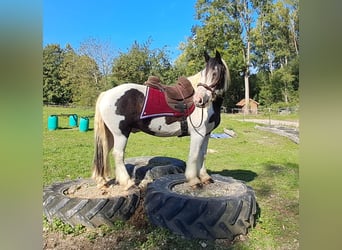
146 169
209 218
87 212
153 167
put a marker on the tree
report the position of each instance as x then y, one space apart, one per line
103 54
140 62
53 89
226 26
68 70
275 40
86 87
69 77
133 66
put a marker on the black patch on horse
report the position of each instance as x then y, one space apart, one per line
216 117
218 85
129 105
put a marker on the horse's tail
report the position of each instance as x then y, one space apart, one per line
103 144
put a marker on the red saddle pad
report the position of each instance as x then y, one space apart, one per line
155 105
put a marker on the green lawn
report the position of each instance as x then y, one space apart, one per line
266 161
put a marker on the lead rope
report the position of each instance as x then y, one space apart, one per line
196 127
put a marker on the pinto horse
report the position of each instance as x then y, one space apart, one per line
118 113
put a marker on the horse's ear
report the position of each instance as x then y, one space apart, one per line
217 56
206 56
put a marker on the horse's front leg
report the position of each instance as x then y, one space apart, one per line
195 159
121 173
203 175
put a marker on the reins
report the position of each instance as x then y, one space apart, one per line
196 127
212 90
206 86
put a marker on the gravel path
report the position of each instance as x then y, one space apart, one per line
289 129
273 122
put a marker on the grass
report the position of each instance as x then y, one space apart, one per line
267 162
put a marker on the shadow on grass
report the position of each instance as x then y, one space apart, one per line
239 174
73 128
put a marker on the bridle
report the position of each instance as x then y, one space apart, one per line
212 89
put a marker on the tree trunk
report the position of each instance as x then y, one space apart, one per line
246 111
246 78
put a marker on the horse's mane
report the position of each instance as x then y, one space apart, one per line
194 79
227 79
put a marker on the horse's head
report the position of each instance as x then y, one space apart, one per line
213 80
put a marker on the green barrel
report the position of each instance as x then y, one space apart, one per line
52 122
73 120
84 124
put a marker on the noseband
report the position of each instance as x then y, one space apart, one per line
211 89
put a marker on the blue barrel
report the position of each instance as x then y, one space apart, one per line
52 122
73 120
84 124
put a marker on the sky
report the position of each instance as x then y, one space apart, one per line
120 23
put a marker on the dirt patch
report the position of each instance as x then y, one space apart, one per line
89 190
216 189
93 239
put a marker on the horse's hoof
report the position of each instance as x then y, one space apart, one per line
102 186
208 181
130 184
197 186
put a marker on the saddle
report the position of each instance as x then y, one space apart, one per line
178 96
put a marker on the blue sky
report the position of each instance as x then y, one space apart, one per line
119 22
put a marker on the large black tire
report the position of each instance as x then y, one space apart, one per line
153 167
148 168
95 212
200 217
87 212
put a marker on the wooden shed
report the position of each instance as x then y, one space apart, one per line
253 106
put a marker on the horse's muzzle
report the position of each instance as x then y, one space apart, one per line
201 99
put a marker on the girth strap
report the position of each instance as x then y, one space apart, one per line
184 127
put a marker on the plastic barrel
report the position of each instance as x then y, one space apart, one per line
84 124
52 122
73 120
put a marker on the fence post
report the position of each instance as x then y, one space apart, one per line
269 116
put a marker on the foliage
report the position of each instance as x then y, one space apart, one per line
69 77
282 85
256 38
59 225
53 90
140 62
275 40
103 54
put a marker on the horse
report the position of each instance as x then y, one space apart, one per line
117 114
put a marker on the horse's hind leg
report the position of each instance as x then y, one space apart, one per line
121 173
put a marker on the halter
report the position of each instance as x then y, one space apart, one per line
211 88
